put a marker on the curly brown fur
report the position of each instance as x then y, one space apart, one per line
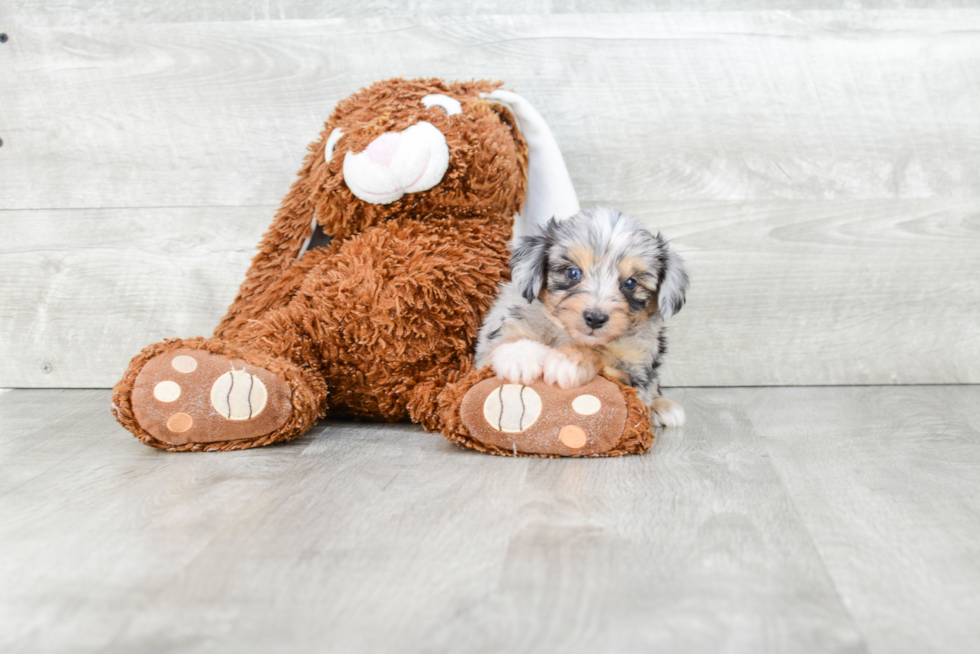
387 315
480 181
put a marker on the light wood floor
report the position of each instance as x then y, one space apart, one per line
779 520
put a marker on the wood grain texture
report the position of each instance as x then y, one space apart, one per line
48 13
816 168
658 106
85 290
829 292
387 539
887 482
784 292
777 520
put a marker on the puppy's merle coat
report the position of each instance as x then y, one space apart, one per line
587 294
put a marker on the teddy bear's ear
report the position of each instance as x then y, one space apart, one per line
550 193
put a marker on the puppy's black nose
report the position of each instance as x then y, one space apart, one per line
595 319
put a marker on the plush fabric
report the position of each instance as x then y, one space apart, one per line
617 424
380 319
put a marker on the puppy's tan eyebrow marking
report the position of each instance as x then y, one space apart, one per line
631 266
582 257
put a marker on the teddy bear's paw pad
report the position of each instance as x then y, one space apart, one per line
543 419
194 396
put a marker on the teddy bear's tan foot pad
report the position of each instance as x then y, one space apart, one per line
545 419
193 396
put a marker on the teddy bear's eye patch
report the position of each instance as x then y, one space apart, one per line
451 106
331 144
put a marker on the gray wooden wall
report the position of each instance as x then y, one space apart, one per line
819 167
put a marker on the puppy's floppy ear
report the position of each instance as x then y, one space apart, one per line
673 285
529 262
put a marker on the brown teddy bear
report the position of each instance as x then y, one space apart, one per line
370 286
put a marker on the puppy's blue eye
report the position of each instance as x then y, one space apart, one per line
629 284
573 273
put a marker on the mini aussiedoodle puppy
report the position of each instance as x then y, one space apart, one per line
587 294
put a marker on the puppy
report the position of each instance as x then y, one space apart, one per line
588 294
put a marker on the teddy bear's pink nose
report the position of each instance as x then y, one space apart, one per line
383 149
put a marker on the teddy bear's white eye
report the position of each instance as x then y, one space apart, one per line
450 105
331 144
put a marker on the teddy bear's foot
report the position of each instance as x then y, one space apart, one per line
601 418
188 395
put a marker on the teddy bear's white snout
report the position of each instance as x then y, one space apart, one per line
397 163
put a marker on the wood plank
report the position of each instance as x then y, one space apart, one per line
46 13
833 292
647 107
706 558
84 291
147 528
783 292
887 481
382 538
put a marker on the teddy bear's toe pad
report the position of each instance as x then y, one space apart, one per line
194 396
545 419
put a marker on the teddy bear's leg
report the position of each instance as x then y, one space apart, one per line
206 394
601 418
246 387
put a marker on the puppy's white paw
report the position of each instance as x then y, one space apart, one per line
667 413
566 372
520 362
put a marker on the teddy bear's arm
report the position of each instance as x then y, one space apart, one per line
279 251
